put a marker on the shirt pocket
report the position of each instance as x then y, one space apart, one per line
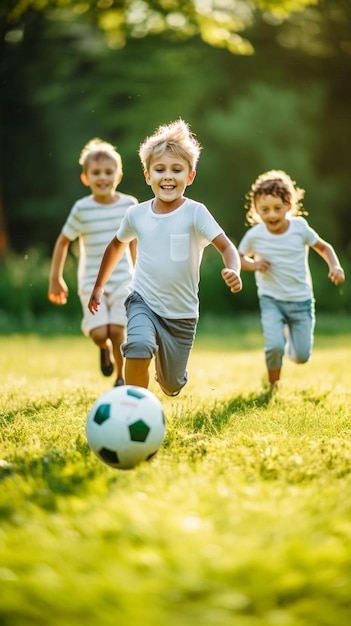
179 248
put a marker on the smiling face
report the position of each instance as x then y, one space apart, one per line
273 211
168 176
102 176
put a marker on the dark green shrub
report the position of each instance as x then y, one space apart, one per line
24 306
24 281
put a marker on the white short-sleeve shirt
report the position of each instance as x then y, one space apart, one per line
95 224
169 254
288 277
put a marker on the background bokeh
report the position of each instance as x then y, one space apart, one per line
262 84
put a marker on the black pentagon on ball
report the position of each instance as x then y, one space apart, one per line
139 431
102 413
109 456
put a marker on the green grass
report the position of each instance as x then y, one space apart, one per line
243 518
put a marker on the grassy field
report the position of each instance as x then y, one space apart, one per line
243 518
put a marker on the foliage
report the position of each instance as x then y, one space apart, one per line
217 23
261 137
242 516
285 106
25 279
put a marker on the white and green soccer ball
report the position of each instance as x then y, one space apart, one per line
126 426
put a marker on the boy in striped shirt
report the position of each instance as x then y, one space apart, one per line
92 220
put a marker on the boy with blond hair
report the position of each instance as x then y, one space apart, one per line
172 232
92 220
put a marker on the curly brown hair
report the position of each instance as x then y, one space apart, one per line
274 183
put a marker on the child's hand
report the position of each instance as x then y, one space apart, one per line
262 265
95 300
232 279
58 292
336 275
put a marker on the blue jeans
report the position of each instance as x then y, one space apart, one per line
287 329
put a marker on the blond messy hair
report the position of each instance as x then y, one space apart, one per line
97 149
274 183
175 138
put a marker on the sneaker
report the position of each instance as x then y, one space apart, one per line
106 364
119 382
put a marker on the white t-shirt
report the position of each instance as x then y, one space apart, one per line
289 276
95 224
169 254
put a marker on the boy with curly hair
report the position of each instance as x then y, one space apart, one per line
276 249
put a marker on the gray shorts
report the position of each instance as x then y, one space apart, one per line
168 340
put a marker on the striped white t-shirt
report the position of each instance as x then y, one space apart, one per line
95 224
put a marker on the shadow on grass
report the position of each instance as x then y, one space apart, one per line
196 434
215 418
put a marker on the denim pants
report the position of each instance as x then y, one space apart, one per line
288 328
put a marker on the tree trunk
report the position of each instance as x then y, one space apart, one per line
4 237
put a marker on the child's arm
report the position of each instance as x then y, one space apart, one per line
231 260
327 252
58 290
248 264
112 255
133 250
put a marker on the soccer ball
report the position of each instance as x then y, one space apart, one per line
126 426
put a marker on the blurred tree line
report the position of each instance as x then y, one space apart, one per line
263 84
